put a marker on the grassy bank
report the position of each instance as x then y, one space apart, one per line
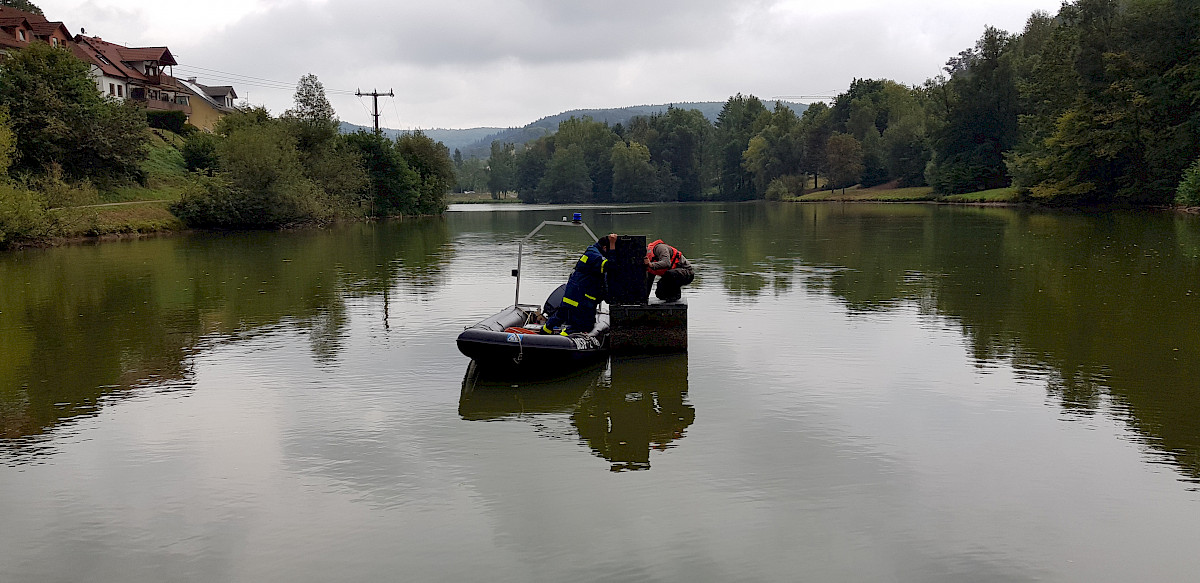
115 219
996 195
911 194
920 193
132 209
479 198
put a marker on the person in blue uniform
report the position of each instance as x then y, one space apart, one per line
585 290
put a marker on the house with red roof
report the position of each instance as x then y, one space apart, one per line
140 74
18 28
15 33
137 73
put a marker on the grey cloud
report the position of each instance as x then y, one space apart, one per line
481 32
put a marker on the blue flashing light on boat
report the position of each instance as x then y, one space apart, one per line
577 218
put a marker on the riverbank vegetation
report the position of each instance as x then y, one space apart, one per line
1096 105
74 163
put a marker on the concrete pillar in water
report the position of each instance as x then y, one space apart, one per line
636 325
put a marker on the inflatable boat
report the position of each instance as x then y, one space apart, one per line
510 342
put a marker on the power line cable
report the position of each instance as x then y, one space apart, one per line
256 81
397 110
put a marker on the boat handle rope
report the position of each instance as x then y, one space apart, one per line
520 350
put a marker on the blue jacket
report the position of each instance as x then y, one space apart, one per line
586 284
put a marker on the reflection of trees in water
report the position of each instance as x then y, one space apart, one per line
621 411
1109 303
81 324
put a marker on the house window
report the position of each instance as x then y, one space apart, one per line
112 89
119 88
20 34
53 42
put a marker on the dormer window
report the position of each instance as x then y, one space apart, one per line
151 69
20 34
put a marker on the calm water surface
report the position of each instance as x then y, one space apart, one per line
872 393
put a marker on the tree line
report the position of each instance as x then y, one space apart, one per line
1096 105
256 170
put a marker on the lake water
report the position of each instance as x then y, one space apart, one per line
871 393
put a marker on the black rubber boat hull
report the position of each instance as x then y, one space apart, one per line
497 351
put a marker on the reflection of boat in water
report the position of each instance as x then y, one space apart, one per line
621 410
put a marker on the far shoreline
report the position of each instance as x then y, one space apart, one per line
162 224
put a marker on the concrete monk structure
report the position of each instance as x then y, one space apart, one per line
637 324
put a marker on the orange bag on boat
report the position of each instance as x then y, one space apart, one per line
520 330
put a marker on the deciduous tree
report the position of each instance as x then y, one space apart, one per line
61 119
845 160
502 169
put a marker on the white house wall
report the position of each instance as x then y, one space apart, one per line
102 82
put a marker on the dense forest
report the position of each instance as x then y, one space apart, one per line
1096 105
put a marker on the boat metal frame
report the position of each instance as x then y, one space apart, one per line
521 248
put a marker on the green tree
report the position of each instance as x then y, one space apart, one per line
816 126
776 150
312 118
471 175
595 141
889 120
1109 89
1188 191
394 186
261 183
531 164
678 141
200 152
736 124
431 161
61 118
8 145
845 160
634 177
981 119
328 161
25 5
502 169
566 179
22 212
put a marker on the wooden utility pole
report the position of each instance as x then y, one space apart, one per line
375 95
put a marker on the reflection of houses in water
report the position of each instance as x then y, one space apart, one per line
621 411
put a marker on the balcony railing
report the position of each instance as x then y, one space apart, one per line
159 105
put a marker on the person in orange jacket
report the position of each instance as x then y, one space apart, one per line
672 269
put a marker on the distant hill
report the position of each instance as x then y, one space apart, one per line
452 138
477 142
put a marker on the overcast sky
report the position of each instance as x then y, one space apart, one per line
505 63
